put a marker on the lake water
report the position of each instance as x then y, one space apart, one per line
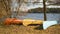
50 16
40 16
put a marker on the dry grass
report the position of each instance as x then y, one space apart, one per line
20 29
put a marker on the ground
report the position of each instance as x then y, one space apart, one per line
20 29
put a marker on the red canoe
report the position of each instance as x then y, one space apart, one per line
12 21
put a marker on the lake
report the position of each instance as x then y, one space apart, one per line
50 16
